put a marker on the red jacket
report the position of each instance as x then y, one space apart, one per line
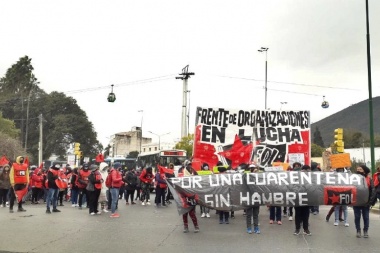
117 180
146 177
37 180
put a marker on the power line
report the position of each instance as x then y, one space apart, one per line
291 83
148 80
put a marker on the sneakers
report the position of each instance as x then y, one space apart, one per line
365 232
336 223
98 213
143 203
196 229
115 215
315 212
203 215
306 232
207 215
127 203
148 203
296 232
327 218
133 203
186 230
346 224
73 205
358 233
256 230
92 213
271 222
249 230
290 218
279 222
21 210
48 211
221 222
105 210
227 222
56 211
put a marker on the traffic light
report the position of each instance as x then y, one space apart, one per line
338 140
77 148
80 154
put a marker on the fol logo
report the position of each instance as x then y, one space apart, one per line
339 195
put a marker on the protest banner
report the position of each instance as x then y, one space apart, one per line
234 137
237 191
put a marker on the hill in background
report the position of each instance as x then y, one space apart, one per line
354 118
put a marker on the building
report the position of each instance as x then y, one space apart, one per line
125 142
149 147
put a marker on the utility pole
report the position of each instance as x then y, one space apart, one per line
184 76
40 142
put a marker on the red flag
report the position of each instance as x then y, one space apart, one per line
165 170
21 193
4 160
99 158
41 166
26 161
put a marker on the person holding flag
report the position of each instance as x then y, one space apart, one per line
161 186
19 177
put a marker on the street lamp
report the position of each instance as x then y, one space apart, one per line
261 50
141 129
159 138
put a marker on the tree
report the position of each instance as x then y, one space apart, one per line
316 150
186 143
133 154
353 139
64 122
8 127
318 138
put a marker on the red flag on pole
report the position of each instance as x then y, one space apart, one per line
4 160
165 170
99 158
21 193
26 161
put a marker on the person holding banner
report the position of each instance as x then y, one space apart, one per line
302 213
189 202
223 215
205 170
363 211
253 211
19 178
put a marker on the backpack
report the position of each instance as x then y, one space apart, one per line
109 181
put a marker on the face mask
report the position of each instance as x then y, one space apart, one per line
361 173
22 161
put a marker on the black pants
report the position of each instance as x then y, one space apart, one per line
3 196
160 195
129 194
36 193
93 200
302 215
169 195
83 191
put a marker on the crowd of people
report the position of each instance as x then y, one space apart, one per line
99 188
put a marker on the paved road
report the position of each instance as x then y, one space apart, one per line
148 229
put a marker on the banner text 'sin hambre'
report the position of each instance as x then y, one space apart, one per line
238 191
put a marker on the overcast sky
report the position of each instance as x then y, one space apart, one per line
316 48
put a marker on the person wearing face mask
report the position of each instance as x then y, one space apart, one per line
5 184
82 182
205 211
363 211
19 178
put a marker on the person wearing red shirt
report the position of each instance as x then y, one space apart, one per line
116 182
37 185
146 179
